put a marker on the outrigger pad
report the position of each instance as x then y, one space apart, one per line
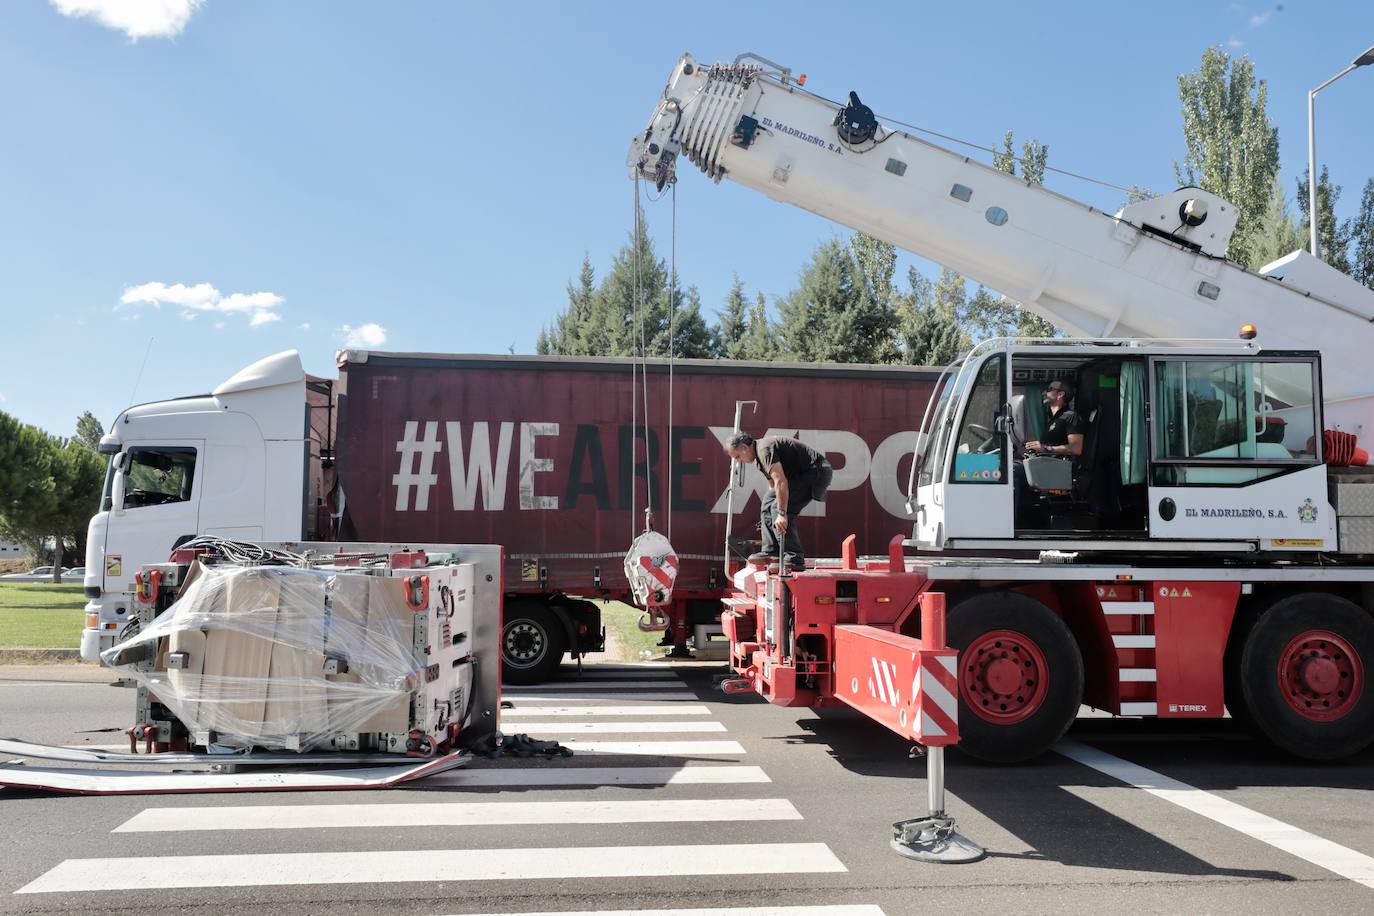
934 839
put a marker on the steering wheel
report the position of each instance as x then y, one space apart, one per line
989 437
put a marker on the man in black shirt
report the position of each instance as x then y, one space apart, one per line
797 474
1064 434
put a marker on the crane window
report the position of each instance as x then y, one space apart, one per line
980 452
1229 411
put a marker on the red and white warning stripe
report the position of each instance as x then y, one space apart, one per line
936 688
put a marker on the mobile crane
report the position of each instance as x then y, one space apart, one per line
1211 547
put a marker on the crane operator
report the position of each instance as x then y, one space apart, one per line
1064 435
797 474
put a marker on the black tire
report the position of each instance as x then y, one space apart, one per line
1029 720
532 643
1232 680
1301 716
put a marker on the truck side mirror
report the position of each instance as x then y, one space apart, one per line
121 461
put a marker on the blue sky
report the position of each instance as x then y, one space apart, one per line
426 176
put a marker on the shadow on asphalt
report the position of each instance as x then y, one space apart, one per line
1034 803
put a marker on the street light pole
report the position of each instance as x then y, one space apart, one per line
1366 58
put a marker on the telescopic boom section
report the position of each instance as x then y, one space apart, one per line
1156 269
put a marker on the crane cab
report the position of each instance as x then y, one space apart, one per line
1174 447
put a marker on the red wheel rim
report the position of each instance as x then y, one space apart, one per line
1320 675
1003 677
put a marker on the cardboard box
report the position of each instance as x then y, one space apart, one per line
370 627
238 654
296 688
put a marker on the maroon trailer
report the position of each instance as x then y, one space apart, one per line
552 458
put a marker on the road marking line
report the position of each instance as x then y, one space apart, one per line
669 710
548 697
631 728
397 866
598 776
664 683
1331 856
864 909
455 814
656 748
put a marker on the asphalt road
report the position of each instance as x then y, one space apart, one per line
796 818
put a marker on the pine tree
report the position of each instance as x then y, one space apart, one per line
1333 238
692 338
808 313
761 335
89 431
1233 149
732 323
1362 237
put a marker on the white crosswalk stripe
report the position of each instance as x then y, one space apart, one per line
560 686
656 748
548 711
396 866
455 814
548 696
565 727
831 910
600 776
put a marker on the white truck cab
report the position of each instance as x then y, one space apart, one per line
231 463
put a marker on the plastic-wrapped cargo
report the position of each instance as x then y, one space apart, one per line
280 657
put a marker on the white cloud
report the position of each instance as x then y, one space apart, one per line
247 302
3 399
364 336
219 325
305 326
135 18
1235 43
1260 19
201 296
204 298
189 316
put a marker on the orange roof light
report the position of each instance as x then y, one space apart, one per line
1248 332
801 80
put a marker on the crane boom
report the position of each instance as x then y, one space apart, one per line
1155 269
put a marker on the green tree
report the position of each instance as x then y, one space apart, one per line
761 335
1333 238
1232 148
732 323
692 338
867 331
49 488
808 314
1279 233
930 332
89 431
1362 237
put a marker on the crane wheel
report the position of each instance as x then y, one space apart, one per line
532 643
1305 675
1020 676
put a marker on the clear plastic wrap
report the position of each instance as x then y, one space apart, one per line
280 657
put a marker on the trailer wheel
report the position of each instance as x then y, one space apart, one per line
1020 676
1304 675
532 643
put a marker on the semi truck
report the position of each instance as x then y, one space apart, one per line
1204 546
548 456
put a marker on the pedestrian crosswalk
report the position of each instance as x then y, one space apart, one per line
639 727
